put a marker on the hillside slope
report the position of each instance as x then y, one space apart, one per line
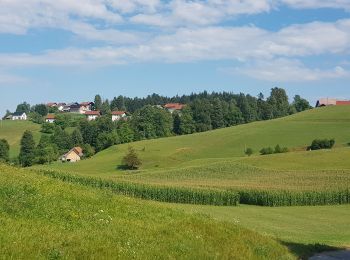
295 132
12 131
45 218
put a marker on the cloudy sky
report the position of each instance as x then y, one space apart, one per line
67 50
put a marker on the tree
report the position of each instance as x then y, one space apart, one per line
36 118
301 104
62 139
88 150
4 151
63 120
27 151
278 100
77 138
249 151
48 128
98 102
187 125
46 152
217 117
106 139
131 159
105 108
8 112
176 123
41 109
23 108
125 132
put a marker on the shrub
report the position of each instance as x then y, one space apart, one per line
266 151
131 159
318 144
249 151
279 149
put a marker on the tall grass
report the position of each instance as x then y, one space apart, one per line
158 193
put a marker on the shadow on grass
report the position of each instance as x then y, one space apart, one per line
305 251
122 167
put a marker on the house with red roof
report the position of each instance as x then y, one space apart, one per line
118 115
50 118
92 115
171 107
332 102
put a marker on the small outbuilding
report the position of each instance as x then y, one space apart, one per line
92 115
74 155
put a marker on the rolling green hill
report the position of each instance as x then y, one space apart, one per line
12 131
42 218
296 132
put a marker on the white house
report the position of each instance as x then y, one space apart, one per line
92 115
117 115
86 106
50 118
19 116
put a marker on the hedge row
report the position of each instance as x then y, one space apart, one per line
158 193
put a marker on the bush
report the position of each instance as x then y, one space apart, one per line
266 151
47 128
319 144
131 159
249 151
279 149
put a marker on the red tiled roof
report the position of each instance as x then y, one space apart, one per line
92 113
50 116
176 106
51 104
118 113
343 103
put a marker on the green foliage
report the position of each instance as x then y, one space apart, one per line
77 138
88 150
131 160
98 102
23 108
125 132
106 139
63 120
41 109
279 149
266 151
46 152
4 150
278 100
319 144
36 118
62 140
151 122
105 108
301 104
48 128
27 152
249 151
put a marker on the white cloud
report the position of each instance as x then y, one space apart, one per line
10 79
285 70
314 4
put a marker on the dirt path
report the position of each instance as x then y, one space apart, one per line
335 255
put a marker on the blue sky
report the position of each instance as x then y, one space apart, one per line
71 50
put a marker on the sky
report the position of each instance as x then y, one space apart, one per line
65 51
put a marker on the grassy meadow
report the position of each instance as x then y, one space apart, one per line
44 218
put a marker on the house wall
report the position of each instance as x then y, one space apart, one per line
50 120
72 157
91 117
24 117
117 117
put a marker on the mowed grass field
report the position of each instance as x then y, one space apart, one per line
12 131
43 218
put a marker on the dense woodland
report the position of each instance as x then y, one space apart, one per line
147 120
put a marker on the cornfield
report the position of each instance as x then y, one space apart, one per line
158 193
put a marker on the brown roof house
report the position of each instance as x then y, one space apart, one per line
92 115
50 118
171 107
74 155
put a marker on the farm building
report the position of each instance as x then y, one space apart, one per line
331 102
19 116
171 107
73 155
86 106
92 115
50 118
117 115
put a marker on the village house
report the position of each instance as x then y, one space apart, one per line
86 106
19 116
60 106
51 104
50 118
74 108
118 115
73 155
172 107
332 102
92 115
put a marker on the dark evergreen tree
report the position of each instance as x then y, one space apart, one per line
77 138
27 151
4 151
176 123
23 108
41 109
187 125
301 104
98 102
105 108
217 117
